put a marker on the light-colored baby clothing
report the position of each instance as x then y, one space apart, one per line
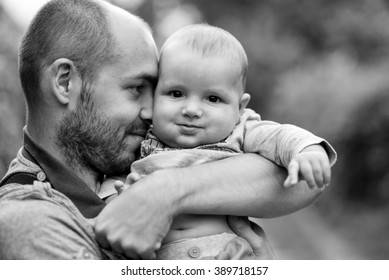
207 247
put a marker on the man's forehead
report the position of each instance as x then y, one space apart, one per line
133 40
135 54
151 76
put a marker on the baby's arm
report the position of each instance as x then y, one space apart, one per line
313 166
297 149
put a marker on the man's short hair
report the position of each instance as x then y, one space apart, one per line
73 29
210 40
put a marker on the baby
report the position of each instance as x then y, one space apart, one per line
200 115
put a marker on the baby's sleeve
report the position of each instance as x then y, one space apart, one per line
279 142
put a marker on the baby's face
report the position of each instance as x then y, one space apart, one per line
197 99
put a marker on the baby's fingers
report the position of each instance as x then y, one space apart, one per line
132 178
307 174
119 186
326 174
293 171
318 174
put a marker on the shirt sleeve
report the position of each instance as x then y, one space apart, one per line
278 142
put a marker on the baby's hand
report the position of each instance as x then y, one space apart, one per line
312 165
121 186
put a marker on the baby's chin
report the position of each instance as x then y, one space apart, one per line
187 144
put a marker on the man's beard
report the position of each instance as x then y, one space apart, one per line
91 142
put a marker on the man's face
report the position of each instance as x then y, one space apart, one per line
89 139
103 134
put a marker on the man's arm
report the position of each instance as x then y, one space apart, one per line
246 185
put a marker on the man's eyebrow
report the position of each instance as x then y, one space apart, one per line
148 77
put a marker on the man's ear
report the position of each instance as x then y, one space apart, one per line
244 100
65 83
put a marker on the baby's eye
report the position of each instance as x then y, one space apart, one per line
214 99
176 94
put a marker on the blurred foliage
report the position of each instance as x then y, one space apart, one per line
367 149
11 99
319 64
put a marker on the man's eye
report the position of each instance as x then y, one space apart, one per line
140 88
214 99
136 90
176 94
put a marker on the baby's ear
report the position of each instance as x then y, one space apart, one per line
244 100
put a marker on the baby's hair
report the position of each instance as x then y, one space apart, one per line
210 40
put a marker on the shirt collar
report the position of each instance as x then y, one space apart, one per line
63 180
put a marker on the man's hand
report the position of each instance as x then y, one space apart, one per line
312 165
136 222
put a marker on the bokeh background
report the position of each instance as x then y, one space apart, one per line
319 64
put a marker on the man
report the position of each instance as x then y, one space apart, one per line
88 70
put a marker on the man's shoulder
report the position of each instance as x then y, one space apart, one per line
21 164
37 193
12 187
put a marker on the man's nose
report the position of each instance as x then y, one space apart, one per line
146 112
192 109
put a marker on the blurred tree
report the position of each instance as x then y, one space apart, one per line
11 100
363 171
